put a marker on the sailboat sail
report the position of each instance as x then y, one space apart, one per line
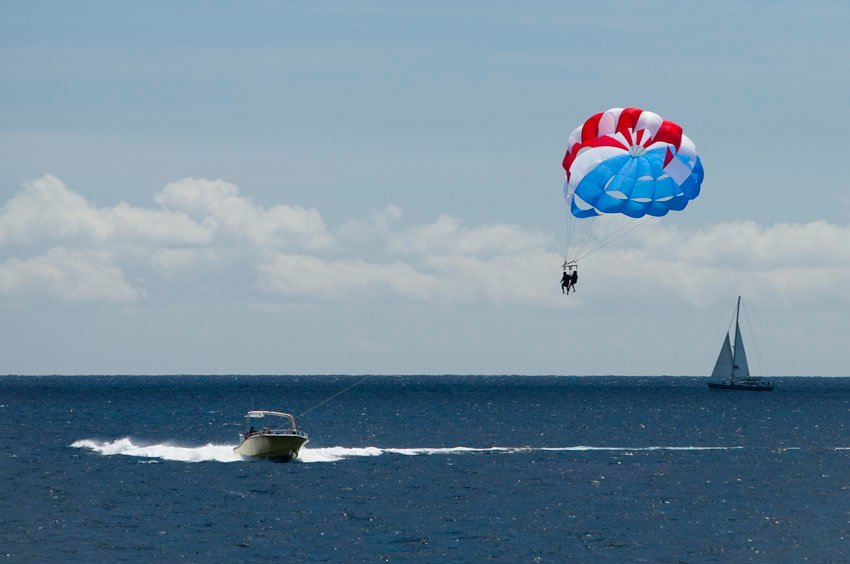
731 371
723 366
742 369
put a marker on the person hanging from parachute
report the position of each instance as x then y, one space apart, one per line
567 279
622 165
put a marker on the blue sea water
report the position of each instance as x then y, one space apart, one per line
422 468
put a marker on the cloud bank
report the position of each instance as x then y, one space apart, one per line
67 275
57 245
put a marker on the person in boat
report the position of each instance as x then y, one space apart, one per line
565 283
573 280
250 432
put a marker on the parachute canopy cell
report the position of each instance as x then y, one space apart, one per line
632 162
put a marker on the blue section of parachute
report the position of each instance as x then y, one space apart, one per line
635 186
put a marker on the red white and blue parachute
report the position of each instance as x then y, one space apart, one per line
632 162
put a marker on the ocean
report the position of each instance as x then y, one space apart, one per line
457 468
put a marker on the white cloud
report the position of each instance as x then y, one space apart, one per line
302 276
447 236
778 265
196 222
67 275
378 224
46 210
746 242
438 280
170 262
446 263
159 226
201 223
197 194
531 278
192 212
219 203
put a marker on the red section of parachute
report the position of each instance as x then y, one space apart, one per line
628 119
669 132
606 141
569 158
590 129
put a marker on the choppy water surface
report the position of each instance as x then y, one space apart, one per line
548 468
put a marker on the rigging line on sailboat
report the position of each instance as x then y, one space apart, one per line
762 369
731 321
609 241
734 321
303 413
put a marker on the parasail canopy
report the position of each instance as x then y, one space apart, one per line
632 162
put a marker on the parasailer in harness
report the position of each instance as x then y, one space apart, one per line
570 276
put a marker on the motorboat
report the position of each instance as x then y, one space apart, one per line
280 439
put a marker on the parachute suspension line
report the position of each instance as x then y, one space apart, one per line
619 229
575 234
762 369
569 220
598 226
611 240
357 383
599 230
583 234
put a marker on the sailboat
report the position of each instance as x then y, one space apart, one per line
731 371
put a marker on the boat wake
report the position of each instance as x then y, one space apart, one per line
224 453
332 454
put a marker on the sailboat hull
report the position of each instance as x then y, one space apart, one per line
750 387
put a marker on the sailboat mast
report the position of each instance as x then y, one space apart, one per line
737 330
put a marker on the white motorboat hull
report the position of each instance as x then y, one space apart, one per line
271 446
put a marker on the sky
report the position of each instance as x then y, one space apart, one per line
376 187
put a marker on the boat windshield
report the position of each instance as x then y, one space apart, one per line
276 423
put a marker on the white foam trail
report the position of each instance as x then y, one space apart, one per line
224 453
453 450
165 451
635 449
333 454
